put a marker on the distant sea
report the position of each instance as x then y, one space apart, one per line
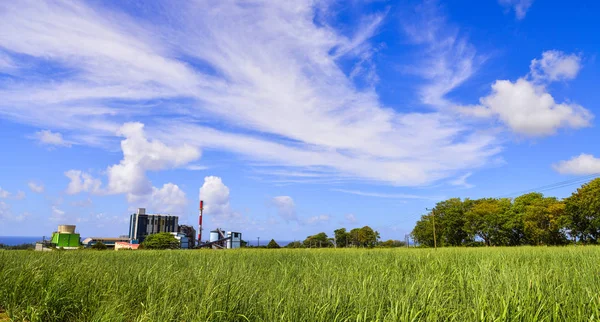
19 240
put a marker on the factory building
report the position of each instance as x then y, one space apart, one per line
190 234
235 240
142 225
109 242
224 239
65 237
184 241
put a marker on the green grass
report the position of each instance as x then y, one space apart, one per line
485 284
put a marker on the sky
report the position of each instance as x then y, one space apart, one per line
289 118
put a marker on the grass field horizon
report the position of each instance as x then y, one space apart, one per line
449 284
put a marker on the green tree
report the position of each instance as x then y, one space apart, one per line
582 212
450 222
99 246
273 244
317 240
423 231
542 222
390 243
341 237
353 237
160 241
295 244
487 220
517 215
367 236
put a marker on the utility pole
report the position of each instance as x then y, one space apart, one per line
258 242
433 216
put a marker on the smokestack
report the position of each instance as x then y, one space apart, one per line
200 223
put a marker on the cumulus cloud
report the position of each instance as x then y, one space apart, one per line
37 188
215 195
527 107
286 208
129 176
580 165
4 193
51 138
141 155
555 65
82 182
520 7
168 199
270 73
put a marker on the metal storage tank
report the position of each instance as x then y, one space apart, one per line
214 236
66 229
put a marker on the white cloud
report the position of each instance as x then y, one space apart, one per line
555 65
384 195
196 167
286 208
215 195
580 165
57 214
462 181
129 176
82 182
4 194
168 199
37 188
141 155
448 58
314 220
269 72
529 109
351 219
51 138
519 6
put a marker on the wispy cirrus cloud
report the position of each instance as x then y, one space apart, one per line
448 58
520 7
386 195
268 71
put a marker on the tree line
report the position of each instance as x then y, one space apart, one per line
356 237
530 219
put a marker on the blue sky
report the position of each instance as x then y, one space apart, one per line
288 118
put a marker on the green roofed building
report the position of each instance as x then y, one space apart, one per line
66 237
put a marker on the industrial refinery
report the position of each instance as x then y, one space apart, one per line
141 225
